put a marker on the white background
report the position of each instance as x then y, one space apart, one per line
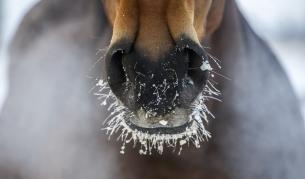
280 22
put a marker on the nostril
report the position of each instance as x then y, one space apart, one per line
114 68
116 75
198 69
198 65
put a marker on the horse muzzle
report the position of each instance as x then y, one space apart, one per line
158 92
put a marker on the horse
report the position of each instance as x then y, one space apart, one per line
50 123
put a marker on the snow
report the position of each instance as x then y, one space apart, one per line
163 122
205 66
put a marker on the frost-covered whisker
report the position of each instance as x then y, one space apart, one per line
215 60
102 57
117 122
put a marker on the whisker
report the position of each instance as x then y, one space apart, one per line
215 60
96 62
225 77
101 50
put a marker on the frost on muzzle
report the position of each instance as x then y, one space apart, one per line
159 104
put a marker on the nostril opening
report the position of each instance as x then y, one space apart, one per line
116 75
198 69
115 71
198 66
117 78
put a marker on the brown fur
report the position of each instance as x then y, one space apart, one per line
155 25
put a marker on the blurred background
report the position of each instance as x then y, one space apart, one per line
280 22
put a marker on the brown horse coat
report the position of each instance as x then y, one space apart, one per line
50 124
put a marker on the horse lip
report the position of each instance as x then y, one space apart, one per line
172 123
160 129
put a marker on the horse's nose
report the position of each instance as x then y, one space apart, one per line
157 86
